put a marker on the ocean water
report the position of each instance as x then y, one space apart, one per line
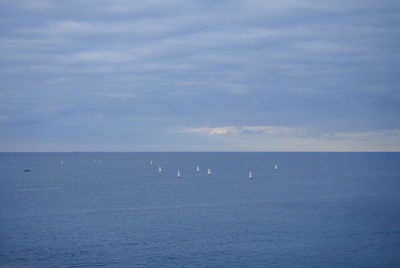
316 210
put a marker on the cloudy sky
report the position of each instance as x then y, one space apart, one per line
174 75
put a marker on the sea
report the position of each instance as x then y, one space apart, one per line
117 210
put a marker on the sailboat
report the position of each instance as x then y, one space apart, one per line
151 162
159 169
197 169
250 176
209 172
179 175
276 166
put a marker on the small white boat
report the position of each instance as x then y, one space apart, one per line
209 172
197 169
151 162
179 175
159 169
276 166
250 176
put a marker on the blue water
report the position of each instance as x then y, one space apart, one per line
317 209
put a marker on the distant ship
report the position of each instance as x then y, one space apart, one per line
27 170
197 169
276 166
250 176
179 175
159 169
209 172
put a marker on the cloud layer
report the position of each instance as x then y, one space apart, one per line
121 72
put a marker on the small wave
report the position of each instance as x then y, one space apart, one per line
38 189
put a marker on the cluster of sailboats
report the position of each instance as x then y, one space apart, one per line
179 175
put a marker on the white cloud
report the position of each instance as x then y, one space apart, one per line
370 134
210 130
267 130
274 130
277 138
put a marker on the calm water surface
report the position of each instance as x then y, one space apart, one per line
317 209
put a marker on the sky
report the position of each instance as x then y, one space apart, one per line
174 75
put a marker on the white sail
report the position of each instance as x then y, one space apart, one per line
250 176
209 172
276 166
197 169
159 169
179 175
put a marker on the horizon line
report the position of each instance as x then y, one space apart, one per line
80 152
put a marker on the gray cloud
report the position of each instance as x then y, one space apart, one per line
329 66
